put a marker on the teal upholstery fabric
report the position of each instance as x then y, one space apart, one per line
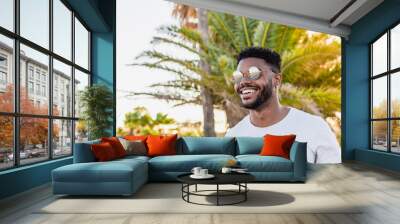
184 163
206 145
94 172
249 145
257 163
118 177
83 152
132 157
97 188
126 175
298 155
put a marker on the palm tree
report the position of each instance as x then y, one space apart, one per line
187 15
139 121
310 64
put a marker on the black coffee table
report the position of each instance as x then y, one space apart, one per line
238 179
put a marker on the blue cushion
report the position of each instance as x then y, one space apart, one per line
249 145
111 171
185 163
134 157
206 145
83 152
298 155
119 177
257 163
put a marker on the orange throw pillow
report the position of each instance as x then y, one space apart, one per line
161 145
275 145
103 152
116 145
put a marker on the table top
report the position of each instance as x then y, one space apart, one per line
220 178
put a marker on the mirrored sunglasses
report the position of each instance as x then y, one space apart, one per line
254 73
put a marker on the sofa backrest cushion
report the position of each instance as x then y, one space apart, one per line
118 148
249 145
206 145
83 152
104 151
277 145
161 145
136 138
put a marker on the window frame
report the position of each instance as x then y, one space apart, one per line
388 74
16 114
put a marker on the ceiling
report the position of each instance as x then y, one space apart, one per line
328 16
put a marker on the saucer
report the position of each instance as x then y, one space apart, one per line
208 176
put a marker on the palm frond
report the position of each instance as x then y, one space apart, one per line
261 34
163 40
191 65
304 65
224 30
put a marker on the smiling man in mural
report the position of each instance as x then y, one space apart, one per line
257 80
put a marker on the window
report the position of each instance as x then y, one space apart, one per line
3 78
37 75
45 131
7 14
3 61
30 87
385 95
33 147
30 72
35 21
6 73
395 47
62 137
62 74
43 90
39 63
37 89
62 29
81 82
3 72
379 56
3 82
81 45
6 142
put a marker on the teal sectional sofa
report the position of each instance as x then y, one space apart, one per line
125 176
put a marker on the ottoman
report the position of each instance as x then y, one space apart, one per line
119 177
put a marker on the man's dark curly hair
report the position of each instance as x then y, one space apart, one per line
272 58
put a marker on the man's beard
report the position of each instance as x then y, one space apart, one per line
264 96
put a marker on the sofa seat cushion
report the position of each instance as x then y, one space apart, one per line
257 163
134 157
185 163
112 171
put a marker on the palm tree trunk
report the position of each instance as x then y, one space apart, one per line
234 113
206 93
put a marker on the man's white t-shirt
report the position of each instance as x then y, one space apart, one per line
322 146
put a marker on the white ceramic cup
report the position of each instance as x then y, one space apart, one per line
196 171
203 172
226 170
